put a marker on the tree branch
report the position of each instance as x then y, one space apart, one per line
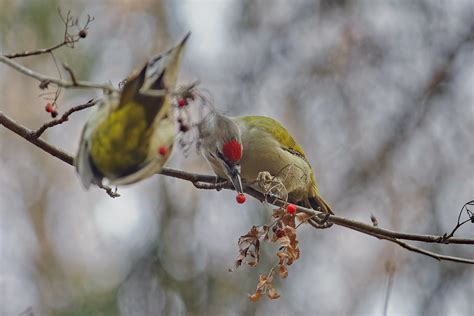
35 52
30 136
68 40
212 182
63 118
46 80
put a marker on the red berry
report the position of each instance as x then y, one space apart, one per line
240 198
49 108
291 209
181 102
163 150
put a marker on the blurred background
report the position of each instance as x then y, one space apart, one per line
380 95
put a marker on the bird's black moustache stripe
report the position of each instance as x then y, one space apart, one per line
221 157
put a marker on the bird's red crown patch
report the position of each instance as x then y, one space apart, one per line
232 150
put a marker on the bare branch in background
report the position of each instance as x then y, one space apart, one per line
71 74
459 223
69 40
27 312
411 118
46 80
390 269
216 183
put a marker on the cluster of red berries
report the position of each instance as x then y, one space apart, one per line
50 109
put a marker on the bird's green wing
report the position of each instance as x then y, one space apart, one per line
132 86
277 130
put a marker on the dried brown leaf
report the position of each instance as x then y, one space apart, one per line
281 255
293 255
288 220
302 217
252 264
255 297
283 271
284 241
272 293
278 212
249 246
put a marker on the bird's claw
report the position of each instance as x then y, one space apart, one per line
320 221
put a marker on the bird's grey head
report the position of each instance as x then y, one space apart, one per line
221 143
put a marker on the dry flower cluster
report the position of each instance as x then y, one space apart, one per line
282 232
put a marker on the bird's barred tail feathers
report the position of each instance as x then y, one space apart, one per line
317 202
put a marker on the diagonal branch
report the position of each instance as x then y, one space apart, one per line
213 182
29 135
36 52
407 246
46 80
63 118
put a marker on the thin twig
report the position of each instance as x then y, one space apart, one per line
213 186
429 253
46 80
434 255
68 39
35 52
414 248
459 223
71 74
63 118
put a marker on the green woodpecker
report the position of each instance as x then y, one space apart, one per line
130 135
250 149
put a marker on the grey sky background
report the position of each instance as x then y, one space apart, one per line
351 80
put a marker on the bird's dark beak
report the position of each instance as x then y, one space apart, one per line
234 175
185 38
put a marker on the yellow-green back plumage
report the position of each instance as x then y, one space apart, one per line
122 139
281 134
287 143
278 131
120 144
